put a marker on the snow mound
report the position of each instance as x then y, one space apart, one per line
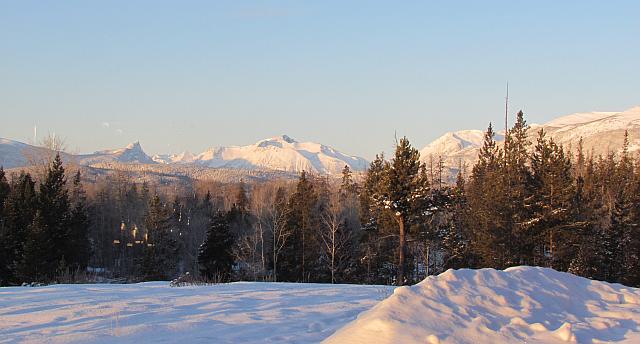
520 304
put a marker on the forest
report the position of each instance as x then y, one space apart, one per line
523 203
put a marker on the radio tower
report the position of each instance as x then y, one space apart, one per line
506 112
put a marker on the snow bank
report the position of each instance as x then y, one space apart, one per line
518 305
155 313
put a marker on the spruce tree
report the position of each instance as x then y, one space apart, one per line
4 190
34 267
160 256
552 204
296 261
242 200
456 237
78 251
517 190
54 206
18 213
215 258
492 239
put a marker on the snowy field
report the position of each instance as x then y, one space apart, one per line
518 305
156 313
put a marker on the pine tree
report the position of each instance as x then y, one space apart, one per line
517 190
456 237
402 192
4 254
38 244
348 187
4 190
491 238
54 206
18 213
160 257
242 201
296 261
552 204
77 255
215 258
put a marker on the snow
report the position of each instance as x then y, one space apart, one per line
132 153
243 312
579 118
518 305
281 153
600 131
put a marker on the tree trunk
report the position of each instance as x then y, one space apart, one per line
401 251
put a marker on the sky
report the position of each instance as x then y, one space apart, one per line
189 75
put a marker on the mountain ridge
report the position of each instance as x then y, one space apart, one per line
279 153
601 132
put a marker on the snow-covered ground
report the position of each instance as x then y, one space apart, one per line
518 305
156 313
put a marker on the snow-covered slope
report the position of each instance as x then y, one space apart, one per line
182 158
601 133
281 153
456 147
131 154
156 313
18 154
518 305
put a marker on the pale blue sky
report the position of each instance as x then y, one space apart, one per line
182 75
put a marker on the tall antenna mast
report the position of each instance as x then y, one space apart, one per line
506 111
35 134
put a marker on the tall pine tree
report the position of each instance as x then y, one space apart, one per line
215 258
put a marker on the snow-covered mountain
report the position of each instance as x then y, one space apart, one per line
601 132
182 158
131 154
456 147
18 154
281 153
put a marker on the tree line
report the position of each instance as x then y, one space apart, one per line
522 203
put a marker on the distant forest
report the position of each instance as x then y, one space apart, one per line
522 203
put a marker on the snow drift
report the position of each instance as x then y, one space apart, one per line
520 304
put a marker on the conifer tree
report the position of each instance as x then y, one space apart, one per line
78 246
402 192
160 260
553 195
456 237
215 258
492 241
4 190
53 203
242 201
517 189
296 261
34 266
19 210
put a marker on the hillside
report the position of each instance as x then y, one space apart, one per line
276 155
601 132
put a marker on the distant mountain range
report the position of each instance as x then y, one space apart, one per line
281 153
602 132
